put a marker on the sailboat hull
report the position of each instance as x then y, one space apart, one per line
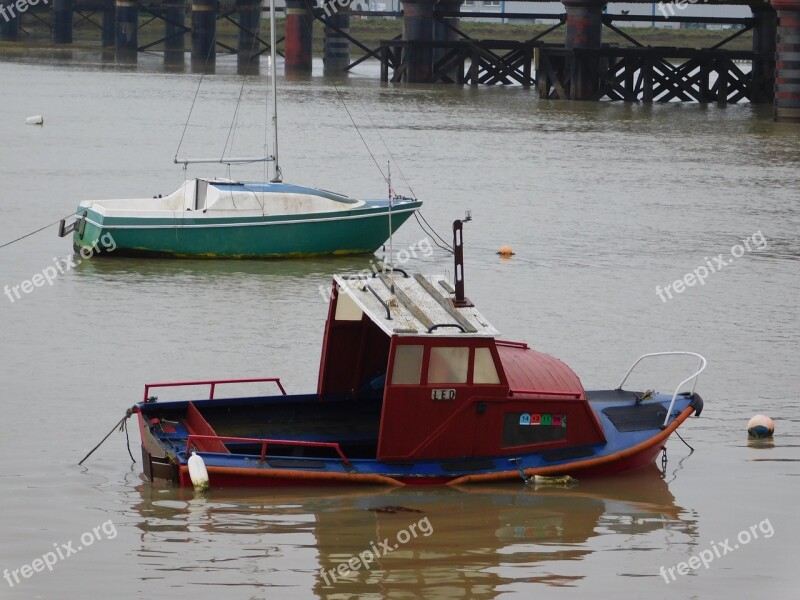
357 231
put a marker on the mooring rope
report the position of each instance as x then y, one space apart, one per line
432 232
684 441
37 231
121 425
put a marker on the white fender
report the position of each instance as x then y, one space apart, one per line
198 473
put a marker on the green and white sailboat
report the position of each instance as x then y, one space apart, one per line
224 218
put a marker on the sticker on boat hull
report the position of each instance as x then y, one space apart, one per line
543 419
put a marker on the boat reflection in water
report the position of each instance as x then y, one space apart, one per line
514 535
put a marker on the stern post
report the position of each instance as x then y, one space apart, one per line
460 301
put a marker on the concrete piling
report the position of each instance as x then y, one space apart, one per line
204 33
62 21
174 34
584 32
765 32
109 20
127 31
247 57
9 21
418 27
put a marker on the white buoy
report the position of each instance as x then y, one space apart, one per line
198 473
760 426
35 120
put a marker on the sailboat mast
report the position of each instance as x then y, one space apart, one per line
273 73
391 249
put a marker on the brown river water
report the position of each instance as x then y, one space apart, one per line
601 202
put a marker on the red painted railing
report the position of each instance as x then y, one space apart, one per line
546 393
213 384
265 442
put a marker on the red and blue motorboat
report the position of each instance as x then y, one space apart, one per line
415 387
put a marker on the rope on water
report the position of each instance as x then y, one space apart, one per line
121 425
37 231
684 441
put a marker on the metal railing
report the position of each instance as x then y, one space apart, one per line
213 384
266 442
700 367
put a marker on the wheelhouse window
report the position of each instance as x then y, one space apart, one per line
448 364
407 364
346 309
485 370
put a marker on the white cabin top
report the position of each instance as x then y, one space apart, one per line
212 198
420 305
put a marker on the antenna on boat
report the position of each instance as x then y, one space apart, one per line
460 300
273 72
391 249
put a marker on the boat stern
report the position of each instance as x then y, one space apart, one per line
88 234
157 463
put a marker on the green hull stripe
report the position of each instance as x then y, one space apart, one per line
98 220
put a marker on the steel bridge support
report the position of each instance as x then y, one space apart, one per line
445 29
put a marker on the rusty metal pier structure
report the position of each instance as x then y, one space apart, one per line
433 48
120 22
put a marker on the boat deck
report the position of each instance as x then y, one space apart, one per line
353 425
401 304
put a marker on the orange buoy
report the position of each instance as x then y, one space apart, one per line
760 426
505 251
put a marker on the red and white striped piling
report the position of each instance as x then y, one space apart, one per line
299 35
787 64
